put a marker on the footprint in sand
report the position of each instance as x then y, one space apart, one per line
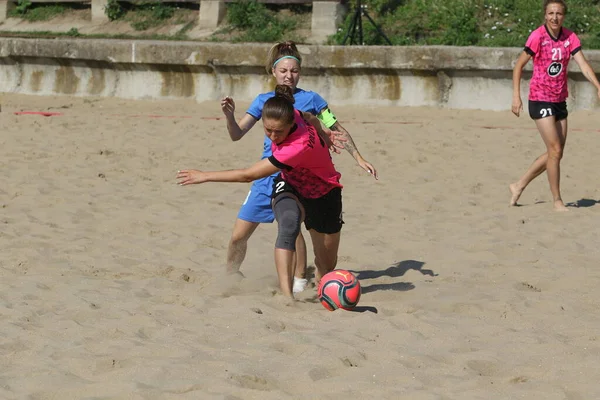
483 367
320 373
251 382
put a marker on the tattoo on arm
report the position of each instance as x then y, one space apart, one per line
349 143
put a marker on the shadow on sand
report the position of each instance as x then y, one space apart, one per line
583 203
395 271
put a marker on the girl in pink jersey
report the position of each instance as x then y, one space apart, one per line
284 64
551 46
308 187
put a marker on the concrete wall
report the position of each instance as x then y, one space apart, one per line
454 77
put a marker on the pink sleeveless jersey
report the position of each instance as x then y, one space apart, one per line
550 60
305 161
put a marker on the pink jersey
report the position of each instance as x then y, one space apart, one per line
305 162
550 60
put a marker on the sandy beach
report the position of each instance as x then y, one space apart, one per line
112 283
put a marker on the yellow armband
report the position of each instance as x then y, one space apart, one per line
327 118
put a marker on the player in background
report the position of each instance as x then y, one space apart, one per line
551 46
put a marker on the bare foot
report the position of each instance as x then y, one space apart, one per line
560 206
284 300
234 274
516 193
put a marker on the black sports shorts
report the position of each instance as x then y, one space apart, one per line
323 214
544 109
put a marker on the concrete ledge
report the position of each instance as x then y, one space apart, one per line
454 77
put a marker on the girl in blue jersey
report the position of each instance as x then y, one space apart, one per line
284 62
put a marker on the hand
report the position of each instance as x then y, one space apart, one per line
367 166
228 106
517 105
191 176
336 140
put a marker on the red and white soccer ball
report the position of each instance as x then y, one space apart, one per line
339 289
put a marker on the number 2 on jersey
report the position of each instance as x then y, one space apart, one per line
279 187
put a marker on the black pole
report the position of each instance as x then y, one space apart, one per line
356 24
352 28
377 27
360 29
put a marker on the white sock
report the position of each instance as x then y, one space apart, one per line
299 284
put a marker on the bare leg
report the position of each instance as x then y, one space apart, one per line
326 249
238 244
554 134
300 281
538 166
284 262
300 271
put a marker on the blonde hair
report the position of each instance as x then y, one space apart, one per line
282 49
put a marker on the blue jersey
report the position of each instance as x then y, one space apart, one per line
306 101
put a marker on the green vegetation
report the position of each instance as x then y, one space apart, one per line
250 21
149 15
114 10
143 15
501 23
73 32
37 12
490 23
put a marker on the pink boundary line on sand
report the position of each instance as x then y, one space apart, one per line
162 116
42 113
150 116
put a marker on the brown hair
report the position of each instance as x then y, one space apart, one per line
561 2
282 49
281 106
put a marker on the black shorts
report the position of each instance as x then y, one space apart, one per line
543 109
323 214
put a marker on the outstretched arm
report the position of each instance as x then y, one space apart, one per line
259 170
586 70
517 104
236 130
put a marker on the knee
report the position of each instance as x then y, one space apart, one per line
287 214
555 152
239 238
327 261
288 228
237 241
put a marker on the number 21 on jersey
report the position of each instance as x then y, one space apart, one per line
556 54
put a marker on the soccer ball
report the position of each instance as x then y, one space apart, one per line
339 289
